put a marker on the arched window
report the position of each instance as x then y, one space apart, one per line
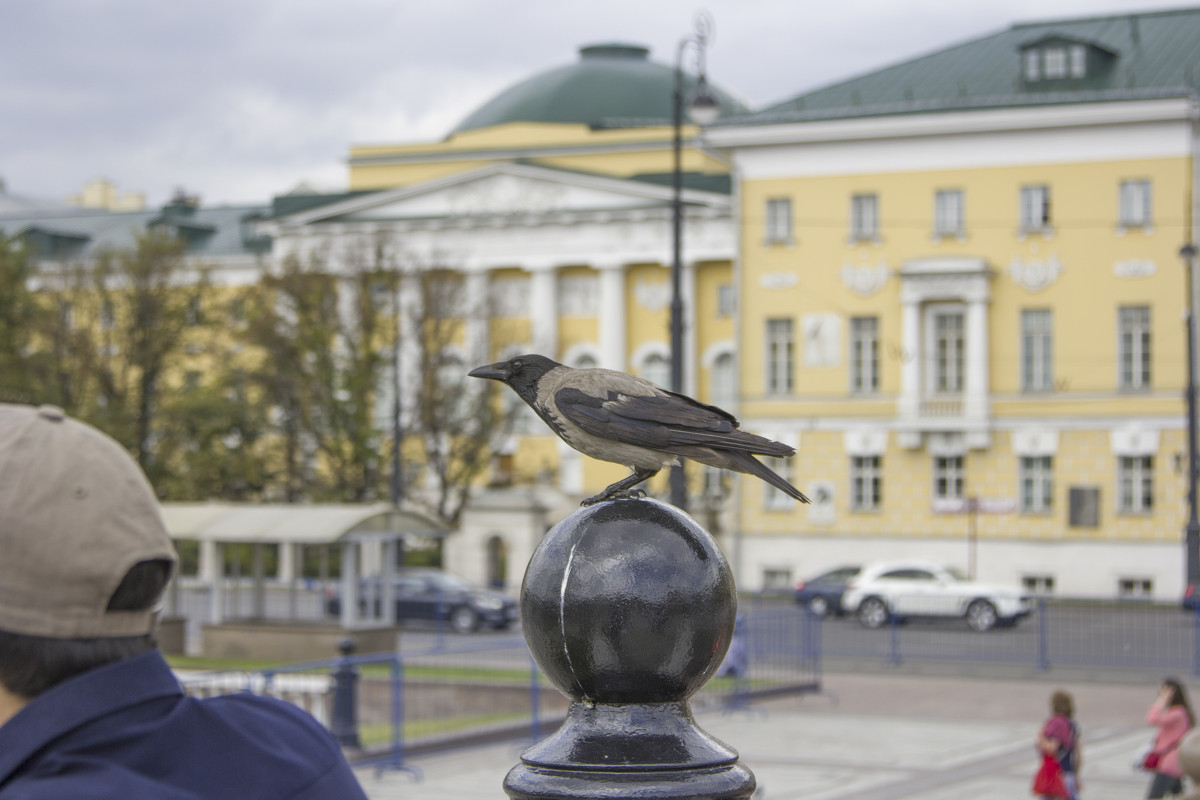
723 388
657 369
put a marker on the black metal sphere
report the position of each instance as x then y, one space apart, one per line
628 601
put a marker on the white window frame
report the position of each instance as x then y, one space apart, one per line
780 336
1135 484
1054 63
1078 57
864 355
947 350
1033 65
1037 350
1035 478
949 213
722 391
866 483
1134 348
726 300
864 217
1133 204
948 476
778 221
1035 208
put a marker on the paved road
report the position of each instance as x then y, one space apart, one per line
873 737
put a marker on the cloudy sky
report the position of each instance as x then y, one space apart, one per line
236 100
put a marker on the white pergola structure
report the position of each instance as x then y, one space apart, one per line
369 536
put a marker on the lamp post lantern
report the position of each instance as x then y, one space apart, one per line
703 110
1192 530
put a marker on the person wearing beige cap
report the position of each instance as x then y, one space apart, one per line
88 706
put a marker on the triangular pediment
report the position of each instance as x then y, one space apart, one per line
504 190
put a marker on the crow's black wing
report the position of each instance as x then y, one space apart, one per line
660 422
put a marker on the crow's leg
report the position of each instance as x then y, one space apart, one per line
622 488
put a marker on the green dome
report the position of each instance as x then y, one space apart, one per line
611 86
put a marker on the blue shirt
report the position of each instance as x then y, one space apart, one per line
127 731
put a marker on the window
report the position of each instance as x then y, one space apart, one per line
779 220
866 483
1133 347
66 315
864 217
948 212
725 300
657 369
774 499
723 391
1054 62
1036 479
237 311
947 476
949 351
191 380
864 355
1038 584
1035 208
780 345
193 314
1033 65
1037 350
777 580
1135 204
1083 507
108 315
1135 588
1078 61
1135 484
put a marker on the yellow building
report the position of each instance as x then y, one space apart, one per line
552 203
960 287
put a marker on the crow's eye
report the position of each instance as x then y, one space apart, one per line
517 364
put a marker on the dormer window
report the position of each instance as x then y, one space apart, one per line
1057 58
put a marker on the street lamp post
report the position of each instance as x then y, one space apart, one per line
703 110
1192 530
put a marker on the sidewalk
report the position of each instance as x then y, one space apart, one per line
872 737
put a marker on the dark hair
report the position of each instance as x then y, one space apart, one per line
29 665
1061 703
1179 697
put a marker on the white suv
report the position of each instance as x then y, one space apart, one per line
905 589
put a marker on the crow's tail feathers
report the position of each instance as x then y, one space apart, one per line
744 462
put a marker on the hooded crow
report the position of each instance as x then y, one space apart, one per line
627 420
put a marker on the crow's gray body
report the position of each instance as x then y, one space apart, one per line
624 419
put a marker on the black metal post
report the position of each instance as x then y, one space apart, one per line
628 607
1192 529
678 481
344 725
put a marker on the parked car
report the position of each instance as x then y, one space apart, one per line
1191 597
909 589
822 594
433 595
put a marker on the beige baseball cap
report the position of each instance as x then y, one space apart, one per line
76 513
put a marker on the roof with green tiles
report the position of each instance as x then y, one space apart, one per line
611 86
1090 59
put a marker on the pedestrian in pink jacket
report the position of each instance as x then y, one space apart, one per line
1172 716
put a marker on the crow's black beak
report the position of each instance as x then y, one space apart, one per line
498 372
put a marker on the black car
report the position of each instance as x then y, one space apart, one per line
823 593
433 595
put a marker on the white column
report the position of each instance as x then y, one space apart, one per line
209 569
285 567
976 388
613 338
543 310
687 289
910 370
216 585
479 319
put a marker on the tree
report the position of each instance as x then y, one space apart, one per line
114 327
24 372
325 339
